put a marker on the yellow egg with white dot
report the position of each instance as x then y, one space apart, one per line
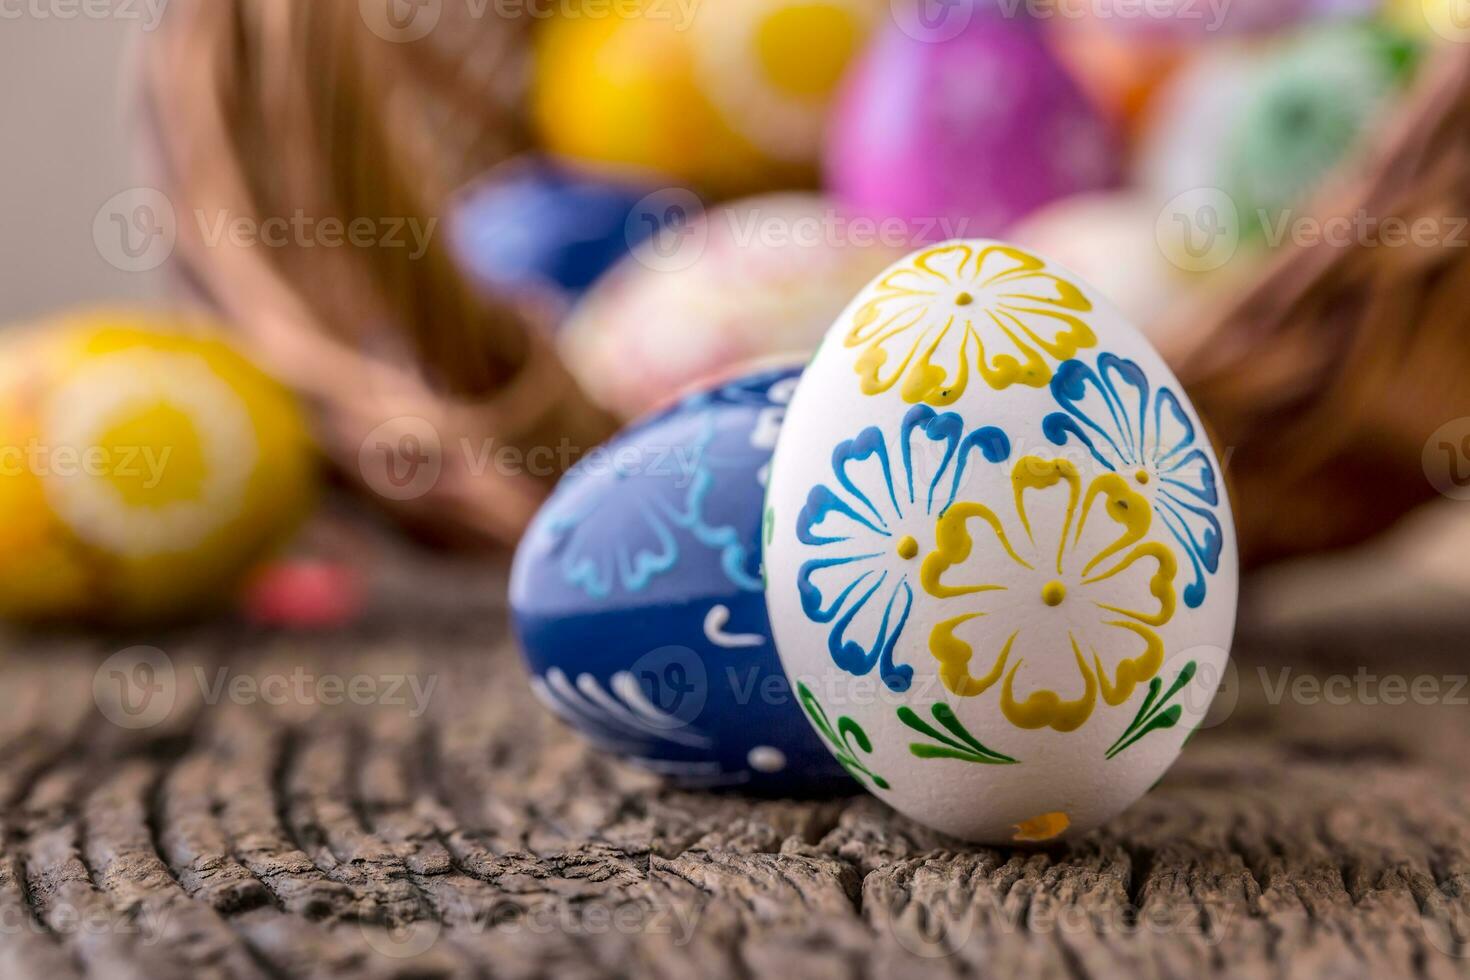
730 95
144 465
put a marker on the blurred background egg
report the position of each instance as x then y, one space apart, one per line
759 277
962 130
147 466
1188 124
729 96
1266 123
1306 111
637 596
1432 20
545 231
1198 21
1120 72
1109 239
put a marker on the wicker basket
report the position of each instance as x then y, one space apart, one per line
1322 374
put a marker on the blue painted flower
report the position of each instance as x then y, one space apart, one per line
1110 411
872 524
687 478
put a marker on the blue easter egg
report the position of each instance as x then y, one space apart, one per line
535 227
637 596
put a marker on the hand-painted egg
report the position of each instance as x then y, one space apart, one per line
1265 125
757 278
963 131
148 466
727 95
1110 240
637 598
1001 568
539 229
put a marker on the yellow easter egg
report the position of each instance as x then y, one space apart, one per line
730 96
1447 20
146 464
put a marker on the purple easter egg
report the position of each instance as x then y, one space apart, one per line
961 127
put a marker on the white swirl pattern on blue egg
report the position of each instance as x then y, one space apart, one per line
638 598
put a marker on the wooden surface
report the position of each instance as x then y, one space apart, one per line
478 838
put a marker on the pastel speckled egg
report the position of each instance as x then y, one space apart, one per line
1002 571
637 598
964 134
727 95
761 277
540 229
148 466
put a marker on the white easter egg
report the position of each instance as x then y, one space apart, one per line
1001 566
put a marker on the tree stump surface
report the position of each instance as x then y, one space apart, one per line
224 826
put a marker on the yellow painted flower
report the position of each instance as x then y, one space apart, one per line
955 309
1083 604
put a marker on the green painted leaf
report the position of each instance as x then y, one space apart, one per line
842 738
964 746
1156 714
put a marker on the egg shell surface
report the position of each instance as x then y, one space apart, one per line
637 598
1001 563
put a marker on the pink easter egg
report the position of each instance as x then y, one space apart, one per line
962 125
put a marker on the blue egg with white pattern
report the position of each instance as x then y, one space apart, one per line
543 230
637 595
